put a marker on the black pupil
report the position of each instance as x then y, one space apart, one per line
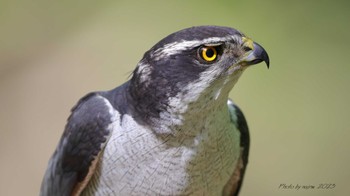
209 52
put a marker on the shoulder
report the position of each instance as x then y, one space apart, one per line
86 133
238 119
240 122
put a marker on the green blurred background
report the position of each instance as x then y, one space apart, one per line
54 52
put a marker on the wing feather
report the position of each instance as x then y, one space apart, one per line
240 122
85 135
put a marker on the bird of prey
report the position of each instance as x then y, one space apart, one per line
169 130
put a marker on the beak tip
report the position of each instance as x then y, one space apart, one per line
262 54
267 61
257 55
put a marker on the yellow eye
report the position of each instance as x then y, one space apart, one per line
209 53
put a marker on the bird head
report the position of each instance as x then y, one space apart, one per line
203 61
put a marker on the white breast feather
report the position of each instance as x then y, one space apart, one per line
136 162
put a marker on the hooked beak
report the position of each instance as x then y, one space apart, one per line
256 54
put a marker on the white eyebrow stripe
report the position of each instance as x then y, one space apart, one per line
176 47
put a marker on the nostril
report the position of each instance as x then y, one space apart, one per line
247 49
